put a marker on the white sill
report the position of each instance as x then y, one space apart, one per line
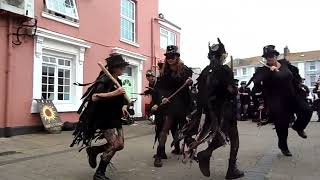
52 17
130 42
61 107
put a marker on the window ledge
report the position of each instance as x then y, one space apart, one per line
61 107
130 42
52 17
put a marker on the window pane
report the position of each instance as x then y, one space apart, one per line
52 60
172 39
51 88
60 96
51 80
44 88
67 63
60 88
164 32
44 70
60 72
67 73
61 62
66 97
44 95
50 96
312 65
64 7
244 71
127 71
60 81
51 71
44 79
163 42
66 81
45 59
66 89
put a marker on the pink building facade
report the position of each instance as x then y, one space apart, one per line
72 37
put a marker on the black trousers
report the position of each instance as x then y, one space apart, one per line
303 112
282 133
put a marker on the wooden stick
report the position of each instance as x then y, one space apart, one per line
107 73
178 90
261 62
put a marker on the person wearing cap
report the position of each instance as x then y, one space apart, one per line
218 99
278 82
173 75
102 116
245 99
304 90
316 102
151 78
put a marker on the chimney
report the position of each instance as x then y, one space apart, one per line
286 51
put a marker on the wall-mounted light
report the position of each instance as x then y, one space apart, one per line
161 16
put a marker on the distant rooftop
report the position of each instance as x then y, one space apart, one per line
299 56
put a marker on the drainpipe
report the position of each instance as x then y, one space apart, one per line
7 130
152 44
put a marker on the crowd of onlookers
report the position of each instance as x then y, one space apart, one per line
252 104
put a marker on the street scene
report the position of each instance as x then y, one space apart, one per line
43 156
159 89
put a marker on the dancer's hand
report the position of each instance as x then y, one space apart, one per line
154 108
125 112
165 101
189 81
119 91
273 68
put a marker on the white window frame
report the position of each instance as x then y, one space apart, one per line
48 42
167 35
133 21
315 79
72 21
57 67
246 71
235 72
311 64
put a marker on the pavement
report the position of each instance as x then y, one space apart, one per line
48 157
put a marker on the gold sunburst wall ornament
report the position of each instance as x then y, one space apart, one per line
48 114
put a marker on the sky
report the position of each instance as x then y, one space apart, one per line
244 26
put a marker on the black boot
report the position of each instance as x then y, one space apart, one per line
92 153
204 162
283 146
177 149
301 133
158 157
282 141
161 154
233 171
101 170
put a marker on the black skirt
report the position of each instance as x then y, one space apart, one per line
108 113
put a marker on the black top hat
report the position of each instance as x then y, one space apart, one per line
116 61
150 73
172 49
269 51
216 50
243 83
